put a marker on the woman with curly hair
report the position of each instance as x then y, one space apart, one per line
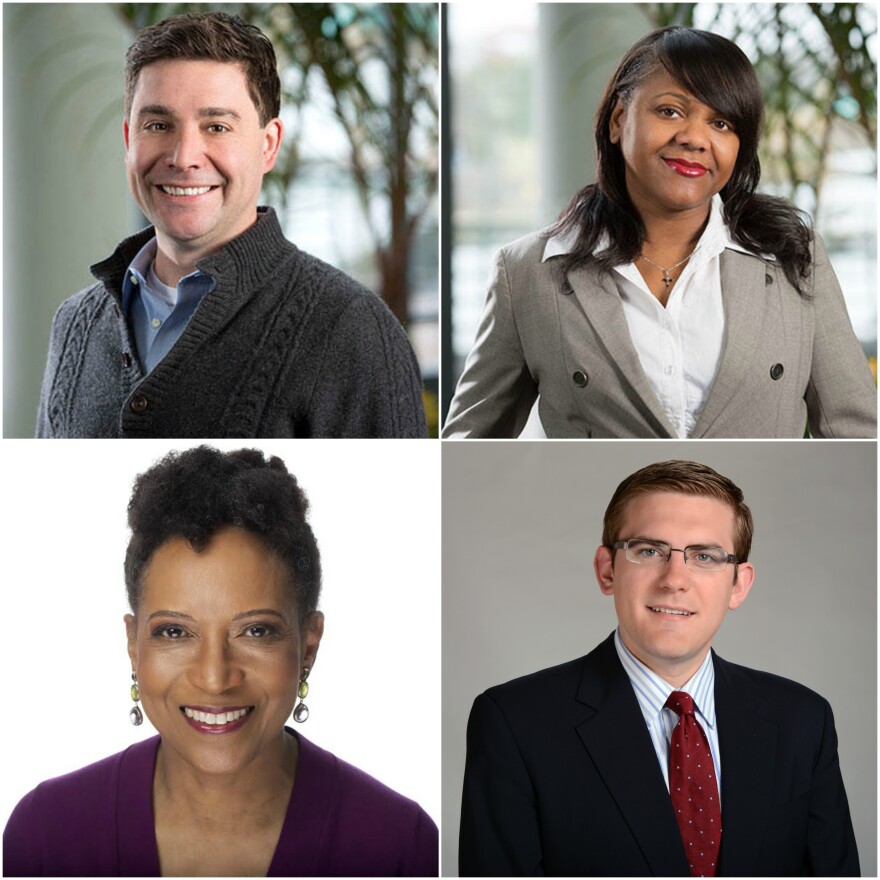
670 299
223 576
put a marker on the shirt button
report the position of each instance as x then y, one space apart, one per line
134 280
567 289
768 278
776 371
580 379
138 403
155 323
669 369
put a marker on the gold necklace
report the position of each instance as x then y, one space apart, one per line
667 278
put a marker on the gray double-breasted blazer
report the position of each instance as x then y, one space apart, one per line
789 359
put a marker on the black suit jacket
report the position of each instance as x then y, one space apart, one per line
562 779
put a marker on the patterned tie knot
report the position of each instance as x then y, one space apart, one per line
681 703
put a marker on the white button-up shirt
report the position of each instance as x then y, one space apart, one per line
679 346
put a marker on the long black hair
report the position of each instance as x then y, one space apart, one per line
717 73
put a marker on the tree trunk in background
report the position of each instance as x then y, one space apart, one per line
394 259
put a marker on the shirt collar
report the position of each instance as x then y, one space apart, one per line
715 238
140 267
652 691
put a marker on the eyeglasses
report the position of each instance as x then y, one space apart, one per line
657 553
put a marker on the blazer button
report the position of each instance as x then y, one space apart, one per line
768 278
776 371
567 289
126 359
138 403
580 379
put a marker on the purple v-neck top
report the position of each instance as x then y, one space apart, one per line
98 821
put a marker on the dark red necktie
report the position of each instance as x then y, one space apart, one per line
693 788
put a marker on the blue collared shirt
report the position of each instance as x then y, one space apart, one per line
652 692
159 314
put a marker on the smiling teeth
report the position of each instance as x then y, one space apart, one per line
186 190
211 718
672 611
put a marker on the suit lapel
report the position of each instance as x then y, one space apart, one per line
600 302
620 747
744 297
748 753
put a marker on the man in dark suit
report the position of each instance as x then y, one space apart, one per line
599 767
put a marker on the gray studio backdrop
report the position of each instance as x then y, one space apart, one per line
521 523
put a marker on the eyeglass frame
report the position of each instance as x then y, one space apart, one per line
624 545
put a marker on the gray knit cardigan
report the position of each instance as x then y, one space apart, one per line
284 346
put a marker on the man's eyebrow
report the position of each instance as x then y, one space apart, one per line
154 110
211 112
203 112
709 545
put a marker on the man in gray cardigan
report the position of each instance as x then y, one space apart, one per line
210 323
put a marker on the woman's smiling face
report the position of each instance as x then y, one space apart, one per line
678 152
217 636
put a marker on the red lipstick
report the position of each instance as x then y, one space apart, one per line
685 168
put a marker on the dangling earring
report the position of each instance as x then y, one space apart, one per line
135 716
301 712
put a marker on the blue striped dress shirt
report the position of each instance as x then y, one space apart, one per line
652 692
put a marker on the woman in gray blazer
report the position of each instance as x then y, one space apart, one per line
670 299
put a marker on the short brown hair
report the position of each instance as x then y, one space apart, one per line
209 36
688 478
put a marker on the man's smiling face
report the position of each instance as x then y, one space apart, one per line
649 600
195 154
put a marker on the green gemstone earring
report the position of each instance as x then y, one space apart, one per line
135 716
301 712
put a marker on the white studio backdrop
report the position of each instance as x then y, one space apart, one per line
375 689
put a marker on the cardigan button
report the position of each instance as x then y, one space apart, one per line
567 289
776 371
126 359
768 278
580 379
138 403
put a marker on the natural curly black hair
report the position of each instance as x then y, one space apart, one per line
196 493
